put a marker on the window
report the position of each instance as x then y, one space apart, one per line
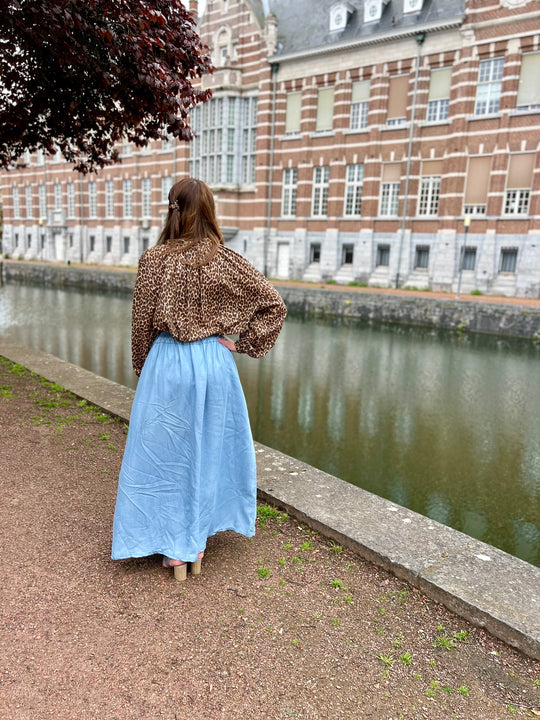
40 157
92 243
16 239
224 149
476 188
321 180
146 198
145 243
516 202
127 194
16 203
353 189
359 105
468 261
315 253
167 143
397 100
325 109
42 200
508 260
249 140
517 197
57 196
42 241
109 198
70 191
383 256
488 90
389 198
126 245
108 243
428 199
288 199
293 112
166 183
528 97
28 201
92 200
70 239
421 257
347 254
439 95
126 149
29 240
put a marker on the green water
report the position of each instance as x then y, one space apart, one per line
446 425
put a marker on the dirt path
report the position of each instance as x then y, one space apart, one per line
280 626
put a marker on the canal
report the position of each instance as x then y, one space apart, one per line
446 425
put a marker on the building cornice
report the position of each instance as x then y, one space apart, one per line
375 39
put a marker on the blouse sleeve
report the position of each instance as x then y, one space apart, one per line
266 321
143 332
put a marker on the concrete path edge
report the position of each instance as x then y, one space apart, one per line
478 582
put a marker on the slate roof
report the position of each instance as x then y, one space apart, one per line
304 24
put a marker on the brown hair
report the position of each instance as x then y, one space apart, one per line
191 217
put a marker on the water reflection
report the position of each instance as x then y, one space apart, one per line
448 426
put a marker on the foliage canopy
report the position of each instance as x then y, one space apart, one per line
81 75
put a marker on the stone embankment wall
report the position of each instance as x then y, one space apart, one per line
505 319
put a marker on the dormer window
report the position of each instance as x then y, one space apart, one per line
412 6
373 10
339 16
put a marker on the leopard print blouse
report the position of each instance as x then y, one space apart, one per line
198 292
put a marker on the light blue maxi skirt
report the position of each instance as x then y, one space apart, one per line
188 470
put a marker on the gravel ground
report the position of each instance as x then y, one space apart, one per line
283 625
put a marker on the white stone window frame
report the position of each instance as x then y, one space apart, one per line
321 186
517 201
42 200
429 195
57 194
354 180
109 199
289 190
127 197
146 198
421 257
508 260
92 199
224 148
29 207
70 197
16 202
223 46
389 199
489 86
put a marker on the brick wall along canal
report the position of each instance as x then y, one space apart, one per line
446 425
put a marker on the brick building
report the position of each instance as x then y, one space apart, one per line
386 142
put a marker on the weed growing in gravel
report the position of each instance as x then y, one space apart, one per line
267 512
443 641
17 369
462 636
464 691
405 658
6 391
263 573
387 660
338 549
307 546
